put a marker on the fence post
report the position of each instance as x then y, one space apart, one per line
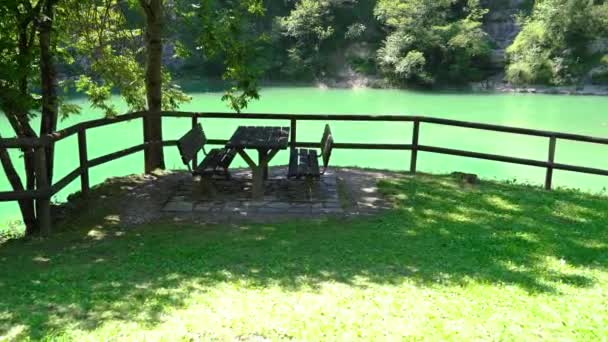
43 204
415 138
293 133
146 145
551 160
84 161
195 158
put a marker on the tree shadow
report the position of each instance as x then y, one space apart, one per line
440 234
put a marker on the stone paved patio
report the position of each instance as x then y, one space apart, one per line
175 195
223 199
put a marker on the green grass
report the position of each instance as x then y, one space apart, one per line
497 262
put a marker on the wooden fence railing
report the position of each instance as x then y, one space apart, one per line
44 192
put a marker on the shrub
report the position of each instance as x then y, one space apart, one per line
355 31
554 42
432 40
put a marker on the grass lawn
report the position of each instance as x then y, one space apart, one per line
497 262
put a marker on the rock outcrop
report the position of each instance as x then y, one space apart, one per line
501 25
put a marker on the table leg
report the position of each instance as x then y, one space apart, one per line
257 179
260 174
263 162
257 186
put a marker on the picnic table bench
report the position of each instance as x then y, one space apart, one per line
216 161
267 141
305 162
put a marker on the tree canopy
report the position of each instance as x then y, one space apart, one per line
429 40
103 47
555 44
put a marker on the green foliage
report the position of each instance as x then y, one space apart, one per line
355 31
412 66
99 45
308 25
363 65
17 26
11 230
432 40
112 47
104 37
553 46
600 77
599 74
227 33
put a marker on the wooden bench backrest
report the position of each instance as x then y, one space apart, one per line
191 143
327 144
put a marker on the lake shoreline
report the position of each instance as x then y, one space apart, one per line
372 82
586 90
481 87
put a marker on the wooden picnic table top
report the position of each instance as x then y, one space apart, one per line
260 137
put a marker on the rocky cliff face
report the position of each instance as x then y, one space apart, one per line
501 26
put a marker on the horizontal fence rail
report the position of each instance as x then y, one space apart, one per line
45 192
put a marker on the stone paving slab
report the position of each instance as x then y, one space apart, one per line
341 192
231 199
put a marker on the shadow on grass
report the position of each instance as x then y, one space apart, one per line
440 234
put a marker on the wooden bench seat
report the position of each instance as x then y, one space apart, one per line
304 163
216 161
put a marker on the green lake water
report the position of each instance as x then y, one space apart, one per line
575 114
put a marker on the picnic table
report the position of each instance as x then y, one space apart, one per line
268 141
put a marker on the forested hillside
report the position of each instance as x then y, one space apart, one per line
398 43
425 42
561 42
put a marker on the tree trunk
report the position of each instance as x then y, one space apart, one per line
20 124
48 78
19 119
17 115
153 134
26 206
